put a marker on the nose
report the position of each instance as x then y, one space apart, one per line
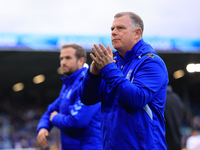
114 33
62 62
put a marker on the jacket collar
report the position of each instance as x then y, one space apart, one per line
133 53
68 80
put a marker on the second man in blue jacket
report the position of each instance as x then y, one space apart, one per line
79 124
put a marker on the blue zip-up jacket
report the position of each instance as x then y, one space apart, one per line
132 94
80 125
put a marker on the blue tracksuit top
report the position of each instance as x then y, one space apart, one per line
80 125
132 94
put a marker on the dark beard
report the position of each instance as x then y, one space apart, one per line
67 74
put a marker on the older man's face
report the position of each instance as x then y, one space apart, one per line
123 35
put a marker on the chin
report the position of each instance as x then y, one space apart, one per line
115 45
65 73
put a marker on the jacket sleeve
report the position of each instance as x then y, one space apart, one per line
80 115
148 80
44 121
90 91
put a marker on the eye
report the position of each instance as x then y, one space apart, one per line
112 28
68 57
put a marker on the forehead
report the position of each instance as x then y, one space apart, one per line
67 51
123 20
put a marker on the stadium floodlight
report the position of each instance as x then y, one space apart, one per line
38 79
18 87
193 68
178 74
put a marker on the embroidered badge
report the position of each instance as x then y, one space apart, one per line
128 76
68 94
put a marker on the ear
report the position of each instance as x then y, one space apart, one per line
81 61
138 33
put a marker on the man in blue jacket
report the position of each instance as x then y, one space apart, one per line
131 88
79 124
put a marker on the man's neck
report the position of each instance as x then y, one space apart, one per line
122 51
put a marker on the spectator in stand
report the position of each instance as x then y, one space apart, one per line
193 142
79 124
174 110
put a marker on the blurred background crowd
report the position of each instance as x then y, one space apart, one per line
18 123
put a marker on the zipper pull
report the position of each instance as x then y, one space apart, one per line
121 67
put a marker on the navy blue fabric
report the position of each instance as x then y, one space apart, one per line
80 125
124 94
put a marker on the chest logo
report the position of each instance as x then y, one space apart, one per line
128 76
63 95
68 94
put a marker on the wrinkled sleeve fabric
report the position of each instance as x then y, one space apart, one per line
90 90
44 122
79 117
149 78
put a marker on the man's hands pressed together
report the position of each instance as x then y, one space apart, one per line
103 57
